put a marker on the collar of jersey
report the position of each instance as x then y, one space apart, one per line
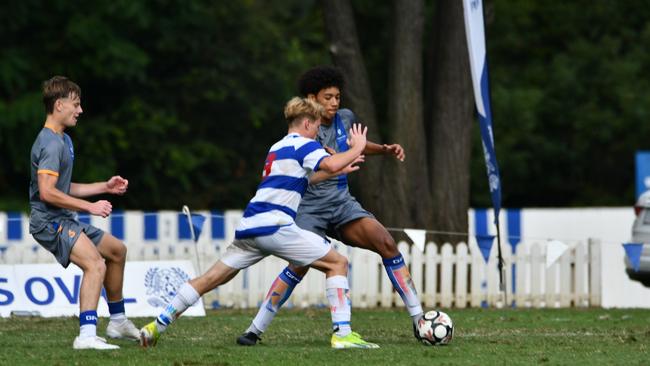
293 135
51 128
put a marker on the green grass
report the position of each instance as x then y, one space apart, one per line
301 337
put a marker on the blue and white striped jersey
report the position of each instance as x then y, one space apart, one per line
284 180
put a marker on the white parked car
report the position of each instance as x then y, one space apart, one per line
641 234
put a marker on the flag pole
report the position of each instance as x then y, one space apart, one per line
477 52
188 214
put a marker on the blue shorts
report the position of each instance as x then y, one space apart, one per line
327 219
60 237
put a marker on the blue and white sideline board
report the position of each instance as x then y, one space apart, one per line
49 290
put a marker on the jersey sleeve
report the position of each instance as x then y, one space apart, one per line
49 160
310 155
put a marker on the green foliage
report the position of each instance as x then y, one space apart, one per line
184 97
569 91
181 98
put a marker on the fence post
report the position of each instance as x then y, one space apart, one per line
461 275
431 275
595 272
478 274
581 268
537 259
446 275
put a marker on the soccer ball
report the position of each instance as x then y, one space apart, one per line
436 328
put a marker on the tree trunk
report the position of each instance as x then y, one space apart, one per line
346 54
451 122
408 199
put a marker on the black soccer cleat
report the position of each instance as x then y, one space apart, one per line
248 339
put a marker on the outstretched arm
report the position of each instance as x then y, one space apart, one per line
393 149
321 175
115 185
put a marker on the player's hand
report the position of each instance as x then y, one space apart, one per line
358 137
117 185
353 165
395 149
101 208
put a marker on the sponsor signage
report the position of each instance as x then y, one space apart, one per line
50 290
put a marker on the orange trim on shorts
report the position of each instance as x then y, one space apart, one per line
48 172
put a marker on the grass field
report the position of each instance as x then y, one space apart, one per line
301 337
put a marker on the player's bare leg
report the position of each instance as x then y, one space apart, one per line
114 253
85 255
188 294
368 233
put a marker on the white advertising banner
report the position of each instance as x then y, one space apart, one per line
50 290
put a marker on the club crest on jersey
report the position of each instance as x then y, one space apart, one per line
162 284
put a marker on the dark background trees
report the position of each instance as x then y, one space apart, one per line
184 98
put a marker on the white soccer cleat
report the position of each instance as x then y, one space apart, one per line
123 330
92 343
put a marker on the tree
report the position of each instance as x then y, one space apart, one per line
431 189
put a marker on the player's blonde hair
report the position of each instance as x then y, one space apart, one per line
298 108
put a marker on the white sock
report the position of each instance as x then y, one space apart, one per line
337 294
185 297
119 317
88 330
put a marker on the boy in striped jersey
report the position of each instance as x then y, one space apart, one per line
328 208
268 226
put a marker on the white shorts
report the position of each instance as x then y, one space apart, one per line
299 247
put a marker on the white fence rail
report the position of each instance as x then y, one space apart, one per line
445 276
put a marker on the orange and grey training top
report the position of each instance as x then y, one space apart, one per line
52 154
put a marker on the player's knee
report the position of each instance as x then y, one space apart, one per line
300 271
386 247
341 263
120 253
95 266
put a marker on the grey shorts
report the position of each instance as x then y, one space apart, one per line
59 238
326 219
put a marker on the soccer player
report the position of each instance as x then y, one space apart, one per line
329 208
55 226
268 225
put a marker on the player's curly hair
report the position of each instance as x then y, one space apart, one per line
319 78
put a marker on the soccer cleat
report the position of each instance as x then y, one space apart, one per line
92 343
123 330
248 339
352 340
149 335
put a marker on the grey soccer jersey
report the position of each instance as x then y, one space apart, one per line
327 136
51 154
328 205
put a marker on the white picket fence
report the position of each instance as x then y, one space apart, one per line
445 276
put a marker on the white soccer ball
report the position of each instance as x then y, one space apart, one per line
436 328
